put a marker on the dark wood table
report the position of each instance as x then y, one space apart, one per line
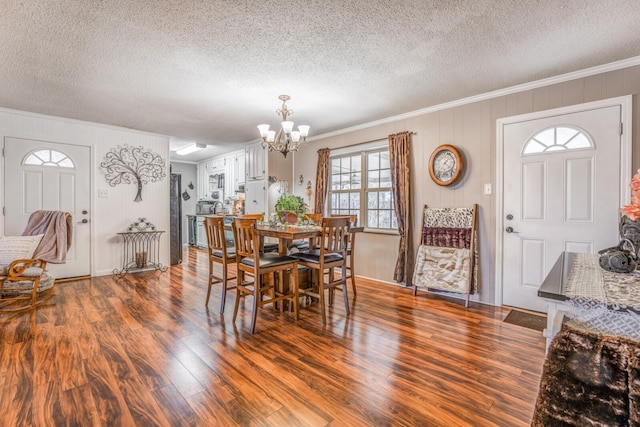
286 235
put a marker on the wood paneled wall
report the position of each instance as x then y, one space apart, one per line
114 213
472 128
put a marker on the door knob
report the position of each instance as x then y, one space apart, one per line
509 217
84 212
510 230
84 221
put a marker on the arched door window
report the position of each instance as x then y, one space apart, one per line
558 138
48 158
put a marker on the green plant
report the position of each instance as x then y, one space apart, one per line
291 203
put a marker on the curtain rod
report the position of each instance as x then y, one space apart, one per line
366 142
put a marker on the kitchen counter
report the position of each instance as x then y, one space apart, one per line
197 232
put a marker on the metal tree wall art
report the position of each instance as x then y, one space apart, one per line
132 165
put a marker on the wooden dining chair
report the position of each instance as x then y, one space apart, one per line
250 261
219 253
315 217
253 216
331 253
303 244
350 251
266 246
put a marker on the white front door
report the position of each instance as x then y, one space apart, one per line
50 176
561 193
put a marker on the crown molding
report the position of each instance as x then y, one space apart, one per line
612 66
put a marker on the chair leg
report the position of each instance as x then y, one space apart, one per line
331 279
344 289
240 278
294 281
322 308
206 303
224 287
353 276
256 298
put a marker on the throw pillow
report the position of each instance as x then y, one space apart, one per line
18 247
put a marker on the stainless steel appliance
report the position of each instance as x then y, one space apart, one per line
209 207
205 207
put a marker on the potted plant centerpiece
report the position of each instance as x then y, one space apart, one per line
290 207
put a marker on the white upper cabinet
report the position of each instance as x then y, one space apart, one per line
202 179
240 168
234 172
256 162
216 165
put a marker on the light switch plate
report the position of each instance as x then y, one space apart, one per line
103 193
488 189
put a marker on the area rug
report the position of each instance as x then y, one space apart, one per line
527 320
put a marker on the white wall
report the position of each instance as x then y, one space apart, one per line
187 173
472 128
116 212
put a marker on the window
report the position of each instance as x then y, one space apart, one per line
49 158
557 138
360 184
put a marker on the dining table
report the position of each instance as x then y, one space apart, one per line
287 234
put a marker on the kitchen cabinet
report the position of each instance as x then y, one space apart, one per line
240 168
256 162
202 179
201 233
216 165
255 199
233 168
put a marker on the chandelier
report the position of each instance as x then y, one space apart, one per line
287 139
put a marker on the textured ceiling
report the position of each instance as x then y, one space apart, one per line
211 70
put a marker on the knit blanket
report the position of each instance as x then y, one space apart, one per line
57 230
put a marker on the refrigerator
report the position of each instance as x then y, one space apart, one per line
175 220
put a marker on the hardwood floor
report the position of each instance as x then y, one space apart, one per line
143 350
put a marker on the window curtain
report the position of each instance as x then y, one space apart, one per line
399 159
322 180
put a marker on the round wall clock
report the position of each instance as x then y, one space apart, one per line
445 165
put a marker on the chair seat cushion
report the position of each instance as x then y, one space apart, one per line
314 256
29 272
231 253
302 246
26 286
269 260
271 247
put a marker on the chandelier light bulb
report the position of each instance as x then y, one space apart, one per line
287 127
271 136
264 129
295 136
304 130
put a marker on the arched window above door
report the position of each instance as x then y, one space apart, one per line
558 138
48 158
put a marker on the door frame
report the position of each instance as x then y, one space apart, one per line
626 105
92 161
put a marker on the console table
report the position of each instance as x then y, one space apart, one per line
140 252
602 301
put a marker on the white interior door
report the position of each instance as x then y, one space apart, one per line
561 193
50 176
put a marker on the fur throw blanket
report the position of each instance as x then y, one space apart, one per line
57 230
589 379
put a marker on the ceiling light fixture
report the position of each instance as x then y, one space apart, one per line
287 139
190 148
